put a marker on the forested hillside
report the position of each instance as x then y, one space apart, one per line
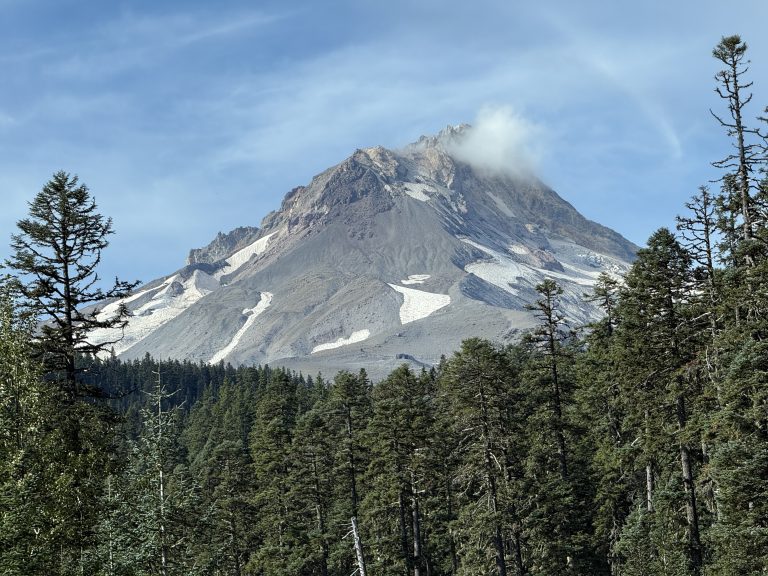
634 446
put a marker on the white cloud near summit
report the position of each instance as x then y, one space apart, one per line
501 140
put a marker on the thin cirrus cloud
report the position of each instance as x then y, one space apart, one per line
365 92
136 42
179 29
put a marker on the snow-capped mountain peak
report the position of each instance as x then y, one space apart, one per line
390 254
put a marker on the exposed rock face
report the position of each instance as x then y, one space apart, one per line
390 256
223 245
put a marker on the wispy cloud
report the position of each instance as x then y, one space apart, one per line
228 27
625 66
500 141
6 119
181 28
143 41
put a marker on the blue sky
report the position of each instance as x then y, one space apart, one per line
189 118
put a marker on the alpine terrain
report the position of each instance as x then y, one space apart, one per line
391 256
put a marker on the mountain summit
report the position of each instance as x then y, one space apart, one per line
389 256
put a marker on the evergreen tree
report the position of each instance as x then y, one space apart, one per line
548 338
731 51
153 497
348 409
478 393
312 491
557 521
600 412
56 253
699 231
26 538
657 336
397 434
270 447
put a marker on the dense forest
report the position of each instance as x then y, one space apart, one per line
637 445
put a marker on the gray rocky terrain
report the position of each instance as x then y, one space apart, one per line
391 256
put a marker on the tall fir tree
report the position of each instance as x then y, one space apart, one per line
56 254
270 447
657 340
557 521
349 409
478 391
398 434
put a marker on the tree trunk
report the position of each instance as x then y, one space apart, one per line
416 520
498 539
358 548
320 519
743 172
648 470
691 510
519 565
556 400
404 532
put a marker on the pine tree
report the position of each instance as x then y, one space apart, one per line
216 437
657 336
56 253
397 434
698 231
270 447
736 425
348 409
731 51
154 495
312 490
549 338
478 394
557 522
601 414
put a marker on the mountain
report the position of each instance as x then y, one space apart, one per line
390 256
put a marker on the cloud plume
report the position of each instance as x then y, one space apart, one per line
500 141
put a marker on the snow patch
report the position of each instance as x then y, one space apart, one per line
415 279
418 304
417 191
111 309
175 295
504 272
252 314
496 274
357 336
242 256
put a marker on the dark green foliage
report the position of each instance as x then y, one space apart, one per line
24 405
270 446
479 398
399 433
56 253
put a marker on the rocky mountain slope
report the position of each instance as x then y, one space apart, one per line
389 256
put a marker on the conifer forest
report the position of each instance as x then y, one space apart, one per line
637 445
